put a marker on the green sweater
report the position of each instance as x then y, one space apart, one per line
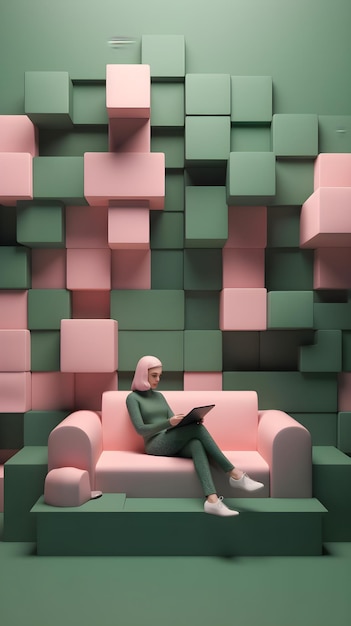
149 412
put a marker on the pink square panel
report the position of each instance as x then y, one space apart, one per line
332 170
129 228
89 269
243 309
243 267
128 90
131 269
13 309
16 177
89 345
14 350
15 392
18 134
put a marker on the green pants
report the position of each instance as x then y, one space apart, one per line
193 441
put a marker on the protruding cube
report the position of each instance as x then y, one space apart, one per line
243 309
13 309
166 56
16 177
295 135
207 139
332 170
14 350
325 219
41 225
48 98
128 91
89 269
18 134
59 177
89 345
129 228
15 392
206 217
251 99
16 260
207 94
251 178
290 309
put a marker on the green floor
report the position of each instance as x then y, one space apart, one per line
133 591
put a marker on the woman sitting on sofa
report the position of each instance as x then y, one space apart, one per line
154 420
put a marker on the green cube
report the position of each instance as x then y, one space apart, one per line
294 182
166 56
89 105
202 310
202 351
290 309
295 135
148 309
47 307
59 178
322 427
324 355
167 104
207 94
14 267
174 192
45 350
207 139
344 432
168 346
283 226
334 133
203 269
251 99
41 225
171 143
334 315
206 217
250 138
39 424
250 178
48 99
167 269
166 230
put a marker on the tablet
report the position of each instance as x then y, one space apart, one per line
196 415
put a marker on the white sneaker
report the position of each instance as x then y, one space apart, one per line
245 483
219 508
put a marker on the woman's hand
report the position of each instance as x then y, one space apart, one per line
176 419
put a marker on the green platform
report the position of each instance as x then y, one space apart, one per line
115 525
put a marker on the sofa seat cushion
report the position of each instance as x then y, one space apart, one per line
142 475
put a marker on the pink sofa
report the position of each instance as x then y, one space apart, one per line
270 445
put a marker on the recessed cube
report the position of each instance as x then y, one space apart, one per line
131 269
14 350
59 177
41 225
13 308
48 99
202 269
344 432
251 99
325 219
167 105
90 304
243 267
334 134
250 178
89 345
332 170
89 269
128 90
86 227
332 268
202 350
243 309
202 381
290 309
207 139
207 94
172 145
48 269
18 134
129 176
247 227
15 392
129 228
295 135
129 134
16 260
206 217
166 56
52 391
16 177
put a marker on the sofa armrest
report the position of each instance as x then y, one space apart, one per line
286 446
76 442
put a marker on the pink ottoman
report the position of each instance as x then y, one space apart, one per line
68 486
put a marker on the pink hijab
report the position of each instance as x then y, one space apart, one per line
140 381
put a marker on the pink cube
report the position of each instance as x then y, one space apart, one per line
243 309
247 227
332 170
18 134
202 381
243 267
13 308
332 268
325 219
131 269
129 228
48 268
14 350
16 177
90 387
89 269
52 391
129 135
124 176
128 90
89 346
90 304
15 392
86 227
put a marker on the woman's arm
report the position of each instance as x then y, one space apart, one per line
143 429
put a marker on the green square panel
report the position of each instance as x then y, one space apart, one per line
59 177
322 427
167 269
39 424
250 178
206 217
148 309
207 94
167 104
295 135
207 139
45 350
203 270
202 310
331 315
251 99
166 230
47 307
324 354
174 191
344 432
166 56
14 267
41 225
89 105
171 143
289 269
250 138
202 351
290 309
48 99
334 133
283 227
168 346
294 182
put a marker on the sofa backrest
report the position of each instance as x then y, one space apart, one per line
232 422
